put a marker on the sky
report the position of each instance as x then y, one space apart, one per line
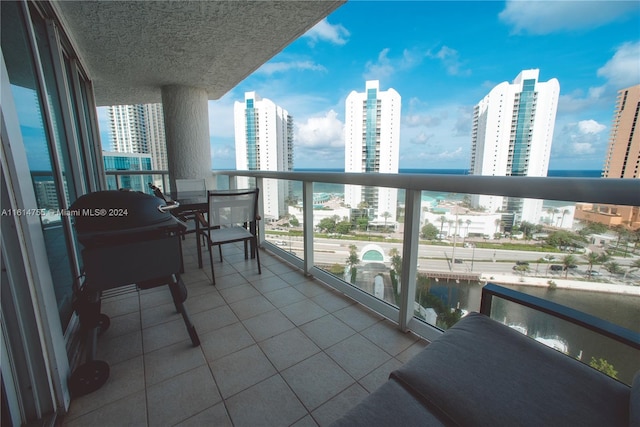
443 57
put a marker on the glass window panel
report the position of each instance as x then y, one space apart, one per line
48 190
357 237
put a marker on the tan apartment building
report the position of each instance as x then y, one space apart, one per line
622 161
623 155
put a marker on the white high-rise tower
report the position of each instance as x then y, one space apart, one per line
512 135
372 145
264 141
139 129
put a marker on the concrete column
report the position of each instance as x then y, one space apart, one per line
186 123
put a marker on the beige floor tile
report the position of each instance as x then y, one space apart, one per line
172 360
224 341
288 348
241 370
332 301
181 397
268 403
388 337
303 312
339 405
316 380
327 331
215 416
113 414
238 293
284 297
267 325
358 317
379 376
250 307
357 355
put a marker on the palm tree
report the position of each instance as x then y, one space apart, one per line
634 266
613 268
551 213
396 260
592 258
568 261
555 212
564 212
468 222
352 261
498 223
442 220
450 222
386 216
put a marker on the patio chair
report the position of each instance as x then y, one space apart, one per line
232 217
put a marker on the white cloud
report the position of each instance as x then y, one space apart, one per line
385 66
581 143
623 69
323 131
544 17
590 127
280 67
381 69
581 148
422 138
423 120
450 58
325 31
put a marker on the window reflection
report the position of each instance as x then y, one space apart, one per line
47 188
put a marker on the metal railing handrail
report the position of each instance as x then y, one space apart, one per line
592 323
613 191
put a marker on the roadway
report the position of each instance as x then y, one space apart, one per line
438 258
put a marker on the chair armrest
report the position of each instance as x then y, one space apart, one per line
200 219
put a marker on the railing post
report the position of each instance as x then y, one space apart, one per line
261 235
409 256
307 224
486 299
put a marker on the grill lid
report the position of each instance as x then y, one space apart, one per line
118 210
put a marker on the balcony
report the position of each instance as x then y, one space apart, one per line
276 349
301 258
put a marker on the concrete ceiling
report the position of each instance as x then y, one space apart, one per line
133 48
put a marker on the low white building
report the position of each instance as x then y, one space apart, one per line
320 214
463 225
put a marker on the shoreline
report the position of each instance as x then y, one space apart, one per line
509 279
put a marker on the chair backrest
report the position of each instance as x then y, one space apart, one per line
229 208
190 185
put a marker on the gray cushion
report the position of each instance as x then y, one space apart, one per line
389 406
483 373
634 402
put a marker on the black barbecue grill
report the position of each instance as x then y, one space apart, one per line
128 238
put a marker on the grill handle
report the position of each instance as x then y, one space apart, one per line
169 206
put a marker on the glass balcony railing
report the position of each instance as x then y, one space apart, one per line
419 249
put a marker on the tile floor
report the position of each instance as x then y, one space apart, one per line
277 349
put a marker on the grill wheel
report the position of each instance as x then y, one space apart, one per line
88 377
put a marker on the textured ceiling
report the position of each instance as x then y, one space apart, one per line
133 48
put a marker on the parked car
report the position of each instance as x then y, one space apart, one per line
457 261
593 273
556 267
572 266
522 263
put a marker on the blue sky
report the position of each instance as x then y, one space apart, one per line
443 58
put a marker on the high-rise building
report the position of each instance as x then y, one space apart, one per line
623 155
512 135
139 129
622 161
372 145
264 141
